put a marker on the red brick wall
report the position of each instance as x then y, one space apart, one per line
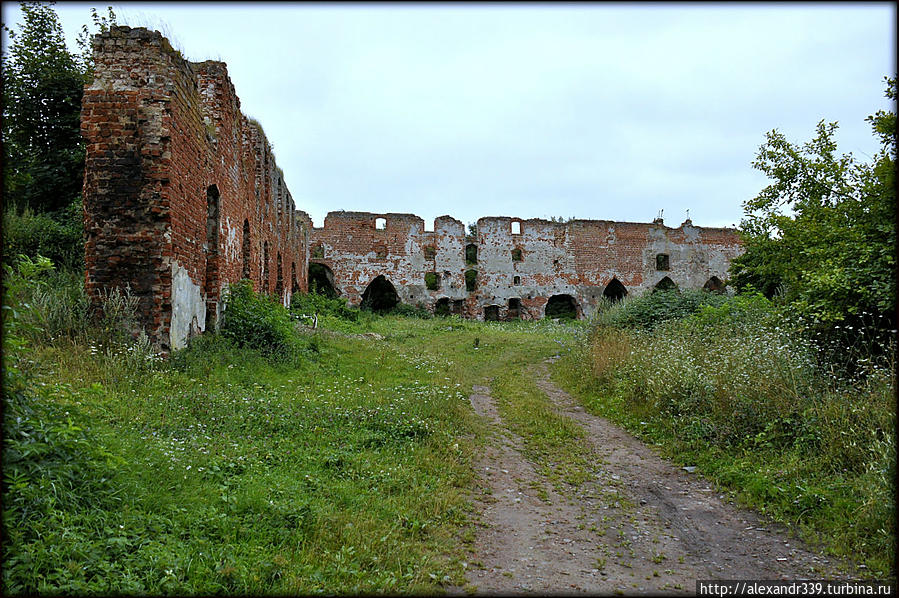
160 133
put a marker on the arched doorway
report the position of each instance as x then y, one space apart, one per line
561 306
714 285
614 291
442 307
380 295
491 313
666 284
321 280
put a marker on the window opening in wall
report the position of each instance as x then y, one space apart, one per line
516 280
265 267
432 281
516 254
457 307
212 255
321 280
514 307
614 291
380 295
516 228
279 281
491 313
442 307
662 262
245 250
561 306
430 252
666 284
714 285
318 252
471 254
380 223
471 280
294 283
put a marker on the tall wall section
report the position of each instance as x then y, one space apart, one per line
518 265
182 196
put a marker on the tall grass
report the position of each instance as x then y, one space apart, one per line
735 388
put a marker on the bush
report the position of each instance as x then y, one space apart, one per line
411 311
650 309
314 303
259 322
60 239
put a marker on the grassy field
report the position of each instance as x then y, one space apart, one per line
343 469
345 464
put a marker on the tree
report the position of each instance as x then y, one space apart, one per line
43 159
823 234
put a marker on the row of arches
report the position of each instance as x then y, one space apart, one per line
380 295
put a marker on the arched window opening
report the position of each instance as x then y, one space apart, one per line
714 285
561 306
212 255
380 295
516 228
471 280
514 308
294 283
432 281
663 263
516 254
430 252
321 281
442 307
265 271
666 284
380 223
279 281
471 254
516 280
245 250
614 291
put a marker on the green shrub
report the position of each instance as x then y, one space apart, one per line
650 309
314 303
411 311
432 282
259 322
60 239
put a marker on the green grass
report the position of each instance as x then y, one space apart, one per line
742 396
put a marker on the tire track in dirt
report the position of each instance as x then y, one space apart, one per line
640 525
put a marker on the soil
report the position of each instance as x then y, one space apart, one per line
640 525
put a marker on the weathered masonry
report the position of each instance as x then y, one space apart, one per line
512 268
182 195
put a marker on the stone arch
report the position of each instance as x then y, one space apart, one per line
442 307
321 280
561 306
245 250
614 291
380 295
666 284
714 285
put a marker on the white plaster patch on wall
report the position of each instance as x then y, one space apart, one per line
232 241
188 308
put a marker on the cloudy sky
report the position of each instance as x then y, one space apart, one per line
606 111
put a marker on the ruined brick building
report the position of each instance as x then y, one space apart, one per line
182 197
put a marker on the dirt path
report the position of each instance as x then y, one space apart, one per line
641 525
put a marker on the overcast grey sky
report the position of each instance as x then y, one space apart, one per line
606 111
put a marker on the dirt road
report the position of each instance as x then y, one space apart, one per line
641 525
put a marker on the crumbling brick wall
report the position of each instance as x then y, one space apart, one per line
182 196
518 272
